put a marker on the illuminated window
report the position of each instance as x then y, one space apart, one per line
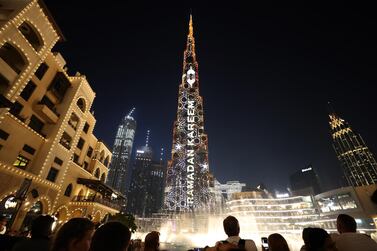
66 140
74 121
21 162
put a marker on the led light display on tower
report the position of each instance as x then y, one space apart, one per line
188 173
119 172
357 161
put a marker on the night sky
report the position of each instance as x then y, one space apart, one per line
266 74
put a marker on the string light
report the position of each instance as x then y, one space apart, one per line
11 34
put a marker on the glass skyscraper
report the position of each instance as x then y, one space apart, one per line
145 195
122 149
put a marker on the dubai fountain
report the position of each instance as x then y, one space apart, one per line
258 217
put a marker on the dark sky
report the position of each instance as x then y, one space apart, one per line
266 74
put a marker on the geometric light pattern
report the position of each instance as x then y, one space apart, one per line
357 161
187 179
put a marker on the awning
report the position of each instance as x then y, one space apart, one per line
99 187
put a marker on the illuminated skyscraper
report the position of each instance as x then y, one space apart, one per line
122 149
305 182
147 184
188 173
357 161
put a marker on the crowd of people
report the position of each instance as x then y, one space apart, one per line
81 234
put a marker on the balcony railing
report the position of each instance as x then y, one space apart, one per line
104 201
47 113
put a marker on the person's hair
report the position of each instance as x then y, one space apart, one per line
113 236
74 229
346 222
231 226
151 241
315 238
276 242
41 226
3 218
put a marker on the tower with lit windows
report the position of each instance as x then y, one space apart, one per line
119 173
357 161
146 192
187 179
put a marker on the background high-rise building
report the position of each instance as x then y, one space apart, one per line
146 191
357 161
305 182
188 171
120 172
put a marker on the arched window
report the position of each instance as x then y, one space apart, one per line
102 156
96 174
81 193
31 35
106 162
68 191
81 104
103 178
13 58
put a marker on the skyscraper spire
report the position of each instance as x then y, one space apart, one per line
129 115
330 108
191 28
147 138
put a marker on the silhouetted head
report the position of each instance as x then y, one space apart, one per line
113 236
345 224
152 241
231 226
276 242
41 226
76 234
317 239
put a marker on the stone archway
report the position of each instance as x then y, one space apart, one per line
77 213
62 215
97 216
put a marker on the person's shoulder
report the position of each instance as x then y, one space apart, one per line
250 241
250 245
